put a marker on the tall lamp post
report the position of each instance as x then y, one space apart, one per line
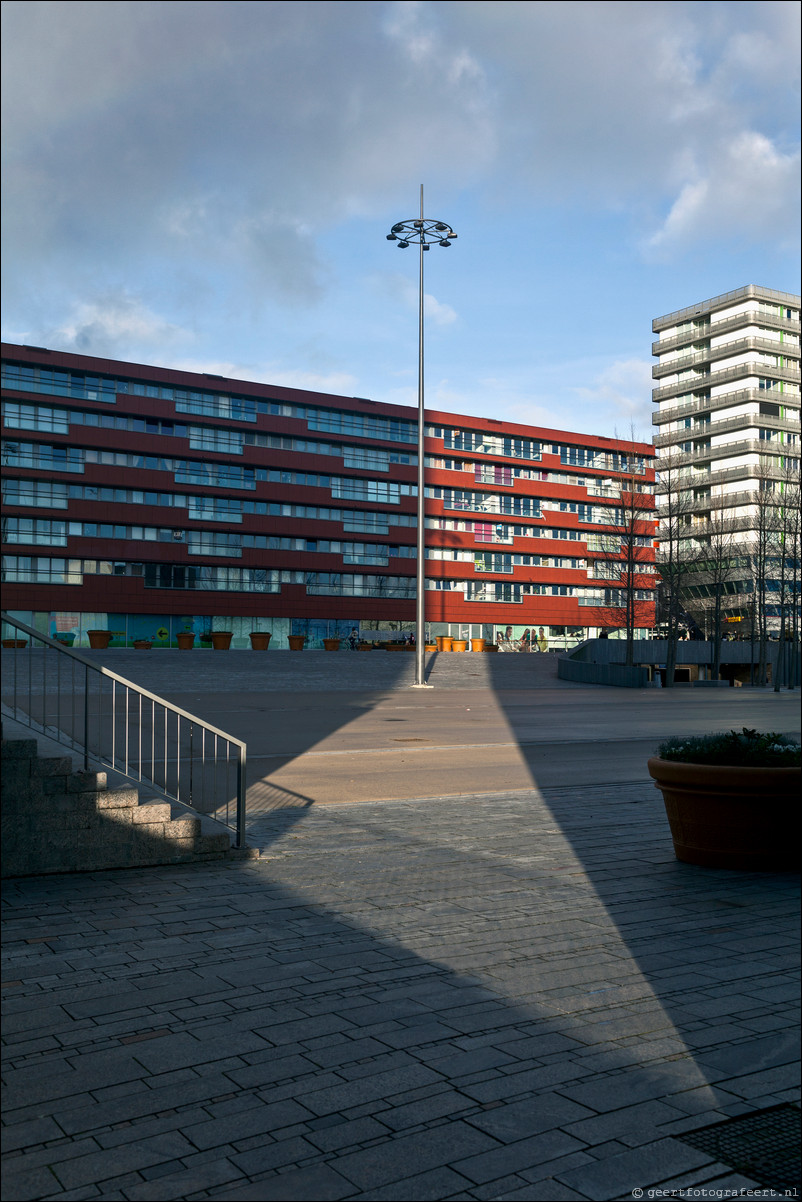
425 233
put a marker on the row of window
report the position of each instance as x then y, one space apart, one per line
44 494
220 578
44 457
31 378
514 592
54 533
52 420
213 577
523 448
222 475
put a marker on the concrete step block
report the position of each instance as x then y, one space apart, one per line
144 815
87 782
19 749
182 828
58 765
212 844
118 799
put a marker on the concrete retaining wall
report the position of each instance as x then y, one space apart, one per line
609 674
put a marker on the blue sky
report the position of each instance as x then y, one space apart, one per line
209 186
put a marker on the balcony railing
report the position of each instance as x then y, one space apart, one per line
751 317
743 421
724 350
749 292
712 379
725 400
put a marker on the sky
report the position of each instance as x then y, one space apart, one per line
209 186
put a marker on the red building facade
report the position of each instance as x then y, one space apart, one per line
150 501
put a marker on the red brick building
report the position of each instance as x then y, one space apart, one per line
148 501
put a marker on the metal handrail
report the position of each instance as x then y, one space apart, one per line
134 732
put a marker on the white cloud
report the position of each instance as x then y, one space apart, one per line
110 324
748 184
340 383
623 391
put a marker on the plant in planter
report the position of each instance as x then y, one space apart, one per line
731 799
99 639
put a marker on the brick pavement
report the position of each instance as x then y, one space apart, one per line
520 996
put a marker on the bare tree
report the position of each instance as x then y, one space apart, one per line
716 566
677 552
786 558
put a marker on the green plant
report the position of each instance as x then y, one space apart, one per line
745 748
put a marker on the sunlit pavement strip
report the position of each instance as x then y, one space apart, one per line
513 996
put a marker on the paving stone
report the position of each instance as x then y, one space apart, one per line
516 951
391 1161
516 1120
260 1117
523 1154
636 1169
318 1181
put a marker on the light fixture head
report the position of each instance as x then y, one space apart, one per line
391 238
402 245
441 226
445 242
425 245
399 225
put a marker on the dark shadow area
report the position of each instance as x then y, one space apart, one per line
684 947
388 1009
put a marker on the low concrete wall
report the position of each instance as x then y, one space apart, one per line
654 651
610 674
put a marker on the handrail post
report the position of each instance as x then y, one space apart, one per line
241 790
86 718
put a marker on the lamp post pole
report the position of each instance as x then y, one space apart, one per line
425 233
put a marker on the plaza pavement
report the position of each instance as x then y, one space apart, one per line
452 992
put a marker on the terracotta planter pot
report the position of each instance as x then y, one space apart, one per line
477 644
259 640
491 647
185 640
430 647
15 642
723 817
66 639
296 641
331 644
459 644
221 639
443 642
99 639
366 647
142 644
